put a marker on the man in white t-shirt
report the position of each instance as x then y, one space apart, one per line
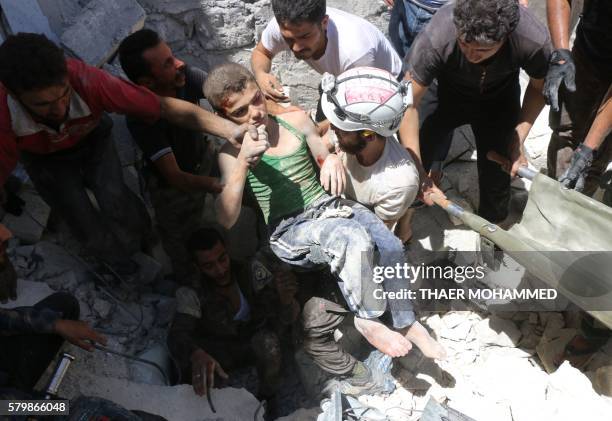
365 107
328 39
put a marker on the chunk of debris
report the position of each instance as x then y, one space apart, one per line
102 25
26 16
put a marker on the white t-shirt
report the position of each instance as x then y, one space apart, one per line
351 42
389 186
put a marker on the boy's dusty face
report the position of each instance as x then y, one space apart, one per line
248 106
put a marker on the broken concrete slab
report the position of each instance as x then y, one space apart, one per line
481 409
566 388
102 25
302 414
27 16
550 350
177 403
30 225
28 294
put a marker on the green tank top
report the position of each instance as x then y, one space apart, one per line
283 185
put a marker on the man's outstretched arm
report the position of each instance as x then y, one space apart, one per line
190 116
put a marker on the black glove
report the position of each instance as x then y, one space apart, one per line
575 176
559 72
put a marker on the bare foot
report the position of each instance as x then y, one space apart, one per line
387 341
423 340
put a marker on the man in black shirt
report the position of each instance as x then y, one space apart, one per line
586 73
179 160
475 49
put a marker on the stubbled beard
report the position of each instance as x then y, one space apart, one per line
353 147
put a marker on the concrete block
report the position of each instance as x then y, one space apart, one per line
175 403
27 16
30 225
101 26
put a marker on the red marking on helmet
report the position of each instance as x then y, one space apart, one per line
375 94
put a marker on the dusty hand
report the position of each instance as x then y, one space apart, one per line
286 285
575 176
271 87
254 145
78 333
435 173
203 369
429 189
561 69
333 176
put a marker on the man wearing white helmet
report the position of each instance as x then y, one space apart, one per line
365 107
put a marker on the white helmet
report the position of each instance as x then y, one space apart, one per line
365 98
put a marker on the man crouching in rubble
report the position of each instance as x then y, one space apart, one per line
307 226
234 317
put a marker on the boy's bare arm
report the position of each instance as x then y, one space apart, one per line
234 166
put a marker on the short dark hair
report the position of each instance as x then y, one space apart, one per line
297 11
226 79
130 53
30 62
485 21
204 239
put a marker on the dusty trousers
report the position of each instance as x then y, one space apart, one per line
114 231
493 122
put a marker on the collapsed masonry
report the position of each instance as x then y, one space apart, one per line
501 365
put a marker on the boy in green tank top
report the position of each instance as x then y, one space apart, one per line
307 226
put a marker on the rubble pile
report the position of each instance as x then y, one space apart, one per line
491 374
